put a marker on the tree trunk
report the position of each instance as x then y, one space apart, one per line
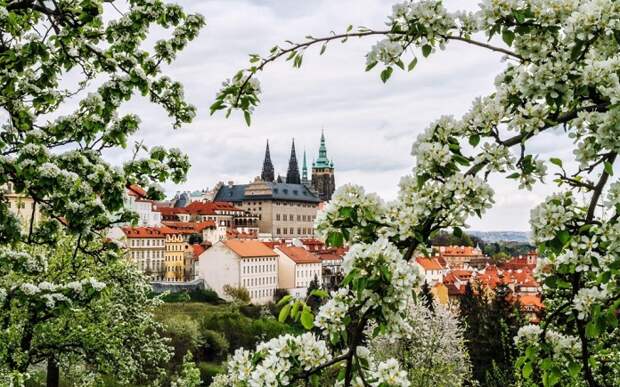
53 373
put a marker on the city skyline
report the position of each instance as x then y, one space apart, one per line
331 92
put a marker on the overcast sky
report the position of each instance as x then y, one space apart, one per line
369 126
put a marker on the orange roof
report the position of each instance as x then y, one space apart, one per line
198 249
309 242
249 248
194 227
210 208
429 263
533 301
144 232
232 233
170 210
299 254
136 190
459 251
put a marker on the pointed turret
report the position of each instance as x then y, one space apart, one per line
323 180
268 172
304 171
292 176
322 161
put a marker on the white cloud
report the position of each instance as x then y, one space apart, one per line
369 126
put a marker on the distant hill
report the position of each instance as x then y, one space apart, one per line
502 236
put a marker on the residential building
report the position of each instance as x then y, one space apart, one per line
146 249
136 201
331 263
192 258
460 256
431 270
22 206
297 267
245 263
174 258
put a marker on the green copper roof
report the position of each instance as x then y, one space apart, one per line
322 161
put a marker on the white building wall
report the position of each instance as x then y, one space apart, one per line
219 266
286 271
260 277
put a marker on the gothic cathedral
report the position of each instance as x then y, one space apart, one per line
322 181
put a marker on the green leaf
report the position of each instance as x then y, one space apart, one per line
515 175
508 36
323 48
527 370
556 161
609 168
474 140
426 50
457 232
574 369
335 239
319 293
248 118
284 313
284 300
563 236
295 309
412 64
592 329
307 318
386 74
371 65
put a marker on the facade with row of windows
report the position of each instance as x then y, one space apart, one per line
284 211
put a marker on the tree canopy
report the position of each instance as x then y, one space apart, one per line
561 74
66 67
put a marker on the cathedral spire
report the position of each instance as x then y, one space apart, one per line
304 170
268 172
292 176
322 161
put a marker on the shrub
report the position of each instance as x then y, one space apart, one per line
208 371
240 294
251 311
214 345
183 332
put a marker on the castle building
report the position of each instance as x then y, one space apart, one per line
323 181
285 206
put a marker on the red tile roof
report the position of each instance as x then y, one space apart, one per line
210 208
193 227
136 190
310 242
299 255
249 248
429 263
198 249
144 232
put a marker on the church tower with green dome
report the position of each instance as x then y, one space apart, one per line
323 180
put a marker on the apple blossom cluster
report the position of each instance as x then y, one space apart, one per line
333 313
560 343
586 298
381 263
553 216
388 373
350 208
450 203
274 363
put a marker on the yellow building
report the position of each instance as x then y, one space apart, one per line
145 248
21 205
174 256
